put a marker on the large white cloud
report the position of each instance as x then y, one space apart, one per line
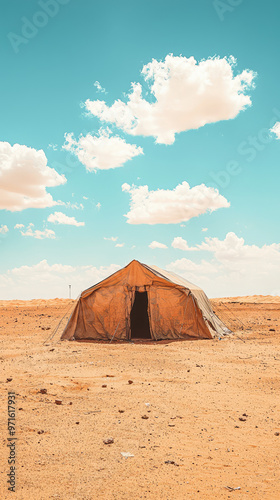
24 177
61 218
44 280
234 268
166 206
276 129
102 151
186 95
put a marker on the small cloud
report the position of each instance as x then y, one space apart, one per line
39 235
68 204
54 147
182 244
85 198
4 229
276 130
157 244
99 88
119 245
98 206
102 151
112 238
61 218
204 229
18 226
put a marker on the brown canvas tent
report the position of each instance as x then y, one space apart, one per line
141 301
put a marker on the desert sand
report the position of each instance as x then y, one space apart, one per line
199 417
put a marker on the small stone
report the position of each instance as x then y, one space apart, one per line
77 423
276 433
9 379
108 441
40 432
43 391
104 385
121 411
58 401
145 417
242 419
130 381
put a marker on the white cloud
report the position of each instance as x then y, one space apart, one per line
112 238
119 245
276 129
54 147
85 198
157 244
234 268
39 235
4 229
18 226
61 218
182 244
165 206
99 88
186 95
102 151
24 177
68 204
204 229
44 280
98 206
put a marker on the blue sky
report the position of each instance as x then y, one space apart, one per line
52 54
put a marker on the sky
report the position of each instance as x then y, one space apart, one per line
139 130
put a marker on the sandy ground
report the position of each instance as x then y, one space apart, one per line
198 416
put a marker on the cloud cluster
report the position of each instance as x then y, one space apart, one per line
61 218
24 177
35 233
44 280
234 268
186 94
102 151
165 206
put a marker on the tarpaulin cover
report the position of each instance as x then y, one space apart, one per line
177 309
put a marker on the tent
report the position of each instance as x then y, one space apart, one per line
141 301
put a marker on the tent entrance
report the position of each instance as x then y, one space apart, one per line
139 319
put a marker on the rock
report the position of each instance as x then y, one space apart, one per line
242 419
104 385
40 432
171 462
145 417
121 411
9 379
272 329
108 441
58 401
130 381
276 433
43 391
126 454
